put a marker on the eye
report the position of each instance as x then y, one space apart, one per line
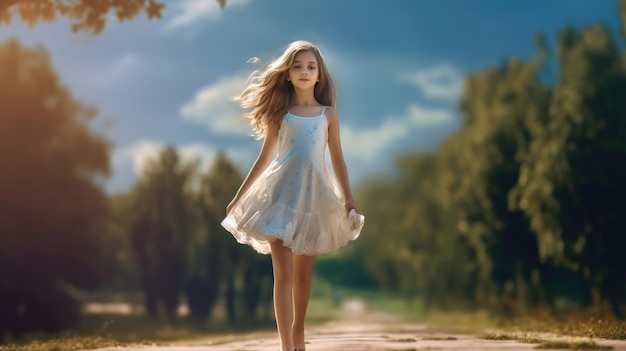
312 67
296 67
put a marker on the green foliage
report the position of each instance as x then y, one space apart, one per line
127 269
161 229
571 179
344 269
219 259
182 248
496 105
522 205
410 243
86 15
53 207
52 165
376 199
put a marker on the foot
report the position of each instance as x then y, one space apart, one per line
298 340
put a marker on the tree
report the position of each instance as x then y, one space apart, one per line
533 181
445 269
379 252
127 271
411 243
161 230
52 205
571 183
86 15
495 105
209 257
219 259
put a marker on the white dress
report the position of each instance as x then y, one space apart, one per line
297 198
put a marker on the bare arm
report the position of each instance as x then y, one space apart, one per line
262 161
336 155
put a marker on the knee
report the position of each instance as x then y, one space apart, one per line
283 276
302 278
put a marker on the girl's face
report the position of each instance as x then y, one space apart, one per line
304 71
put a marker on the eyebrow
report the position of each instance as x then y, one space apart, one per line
314 62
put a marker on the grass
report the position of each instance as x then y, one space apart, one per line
579 326
440 338
389 302
498 336
117 330
68 342
528 338
573 345
401 339
543 344
478 321
97 331
321 309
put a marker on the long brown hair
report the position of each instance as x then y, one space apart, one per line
270 94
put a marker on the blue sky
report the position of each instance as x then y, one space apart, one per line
399 67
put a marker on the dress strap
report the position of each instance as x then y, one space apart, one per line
323 110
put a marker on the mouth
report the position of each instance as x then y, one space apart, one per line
303 80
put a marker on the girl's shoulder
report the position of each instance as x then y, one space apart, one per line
328 109
331 114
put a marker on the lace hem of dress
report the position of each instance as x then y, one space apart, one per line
306 233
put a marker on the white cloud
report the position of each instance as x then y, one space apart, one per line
213 107
121 68
441 82
138 154
141 153
198 152
342 65
191 11
359 145
419 116
367 143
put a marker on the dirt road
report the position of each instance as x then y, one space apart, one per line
372 332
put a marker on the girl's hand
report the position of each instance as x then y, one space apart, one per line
230 206
350 205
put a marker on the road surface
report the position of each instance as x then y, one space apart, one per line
368 332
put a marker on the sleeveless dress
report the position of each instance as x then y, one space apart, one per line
297 198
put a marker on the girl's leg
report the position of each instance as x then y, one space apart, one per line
303 271
282 263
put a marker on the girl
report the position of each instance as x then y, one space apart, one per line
291 205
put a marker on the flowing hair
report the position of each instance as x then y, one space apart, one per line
269 93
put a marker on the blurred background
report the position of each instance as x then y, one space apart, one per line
485 141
